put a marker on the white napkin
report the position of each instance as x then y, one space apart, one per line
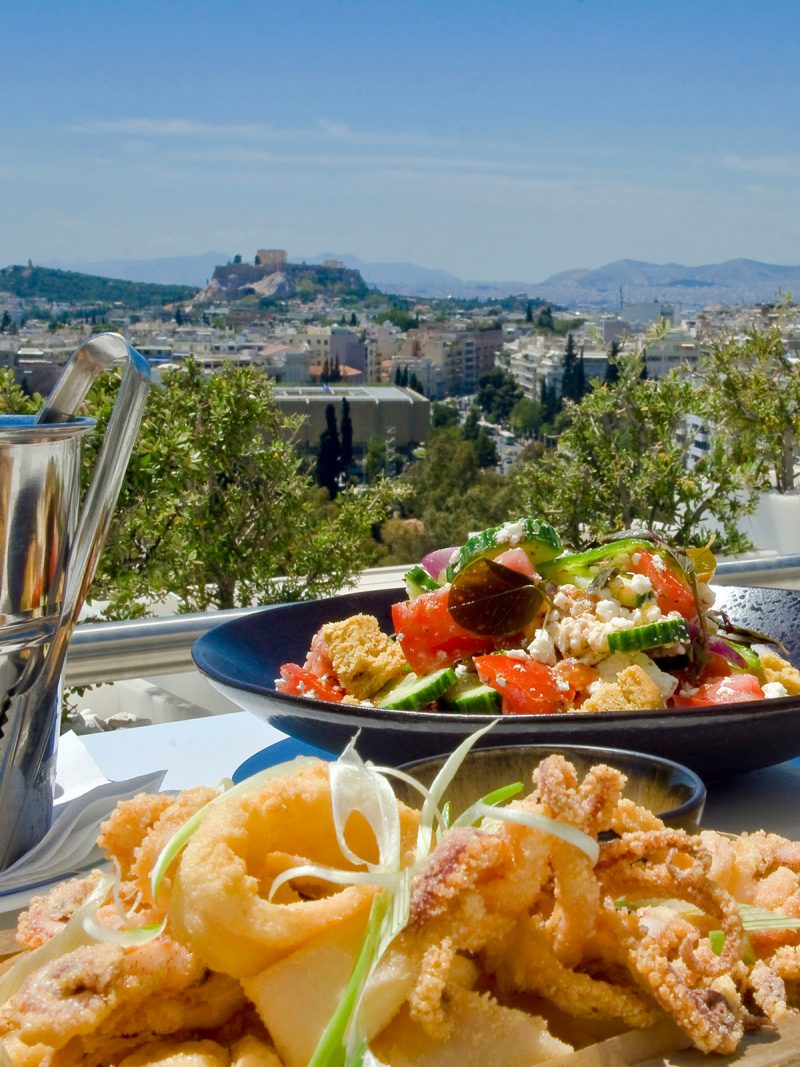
83 799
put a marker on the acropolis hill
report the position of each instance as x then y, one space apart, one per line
271 275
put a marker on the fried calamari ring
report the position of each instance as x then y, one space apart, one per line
220 896
134 835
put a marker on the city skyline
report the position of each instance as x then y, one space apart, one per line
510 142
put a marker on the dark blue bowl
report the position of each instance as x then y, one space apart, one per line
242 658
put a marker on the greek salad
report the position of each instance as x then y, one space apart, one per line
510 623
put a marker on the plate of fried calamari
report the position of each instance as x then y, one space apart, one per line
307 917
627 644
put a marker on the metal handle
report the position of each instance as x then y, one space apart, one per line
101 496
112 461
92 358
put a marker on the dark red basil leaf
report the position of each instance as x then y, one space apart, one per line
492 600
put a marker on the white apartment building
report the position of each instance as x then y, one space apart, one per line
679 347
537 359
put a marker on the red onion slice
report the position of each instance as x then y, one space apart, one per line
436 561
722 648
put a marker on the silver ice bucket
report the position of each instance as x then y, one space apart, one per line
50 543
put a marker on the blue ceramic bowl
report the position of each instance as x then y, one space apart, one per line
242 658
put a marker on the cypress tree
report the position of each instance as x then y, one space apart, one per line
580 377
612 364
329 457
347 436
569 371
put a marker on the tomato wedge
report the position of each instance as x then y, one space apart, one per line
526 686
299 682
429 635
732 689
517 559
575 674
671 593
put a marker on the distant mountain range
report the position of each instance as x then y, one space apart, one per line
736 281
174 270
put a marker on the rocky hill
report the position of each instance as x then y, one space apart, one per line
283 281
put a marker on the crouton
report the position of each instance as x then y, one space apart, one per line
777 669
364 658
631 690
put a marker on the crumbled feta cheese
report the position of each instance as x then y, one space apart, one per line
517 653
542 648
609 609
510 533
772 690
640 584
562 683
461 670
725 689
762 650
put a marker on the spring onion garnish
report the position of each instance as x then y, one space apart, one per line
753 917
717 940
472 815
430 809
139 935
344 1042
571 834
358 787
330 1050
70 936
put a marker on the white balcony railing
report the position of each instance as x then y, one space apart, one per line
108 652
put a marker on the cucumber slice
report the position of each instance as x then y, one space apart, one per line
663 632
471 697
537 537
565 569
414 692
752 660
418 581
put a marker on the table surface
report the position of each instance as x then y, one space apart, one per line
204 751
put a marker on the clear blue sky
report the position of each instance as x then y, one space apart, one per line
502 140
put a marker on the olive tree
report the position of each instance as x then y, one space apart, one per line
216 508
626 457
751 398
